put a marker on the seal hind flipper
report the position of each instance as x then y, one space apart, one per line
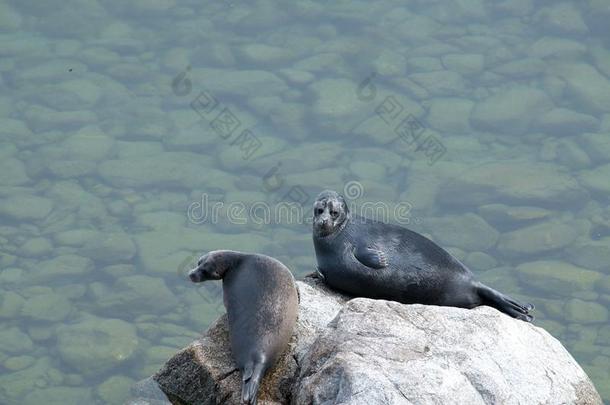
251 379
501 302
371 256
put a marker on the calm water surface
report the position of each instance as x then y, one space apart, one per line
136 135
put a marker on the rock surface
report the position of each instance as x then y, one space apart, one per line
381 352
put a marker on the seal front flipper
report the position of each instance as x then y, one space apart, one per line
371 256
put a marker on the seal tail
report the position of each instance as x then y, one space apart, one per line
251 379
504 303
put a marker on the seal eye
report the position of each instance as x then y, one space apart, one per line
319 211
334 213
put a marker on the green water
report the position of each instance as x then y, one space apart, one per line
137 135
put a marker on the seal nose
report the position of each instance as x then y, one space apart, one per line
193 275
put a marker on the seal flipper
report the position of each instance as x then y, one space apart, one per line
501 302
251 379
371 256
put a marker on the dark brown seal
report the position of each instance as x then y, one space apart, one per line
261 299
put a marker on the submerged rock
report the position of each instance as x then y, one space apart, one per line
96 345
510 111
382 352
521 182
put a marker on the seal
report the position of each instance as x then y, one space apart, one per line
368 258
261 299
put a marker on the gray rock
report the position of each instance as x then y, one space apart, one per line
469 232
557 277
12 172
115 247
14 341
562 18
588 87
597 145
135 294
385 353
510 111
441 83
561 121
450 115
521 182
96 345
597 179
538 238
26 207
381 352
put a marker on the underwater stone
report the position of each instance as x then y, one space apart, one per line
571 155
41 118
26 207
464 63
12 172
597 145
563 18
47 307
89 143
336 104
469 232
557 277
265 55
480 261
10 304
74 237
440 83
166 169
450 114
10 19
96 345
522 182
115 390
580 311
561 121
424 64
389 63
245 83
18 362
114 247
586 85
64 266
14 341
593 254
597 179
35 247
134 294
370 170
537 238
59 395
507 214
557 47
510 111
522 68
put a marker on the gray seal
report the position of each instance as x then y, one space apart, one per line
367 258
262 304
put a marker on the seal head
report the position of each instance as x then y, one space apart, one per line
211 266
330 213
